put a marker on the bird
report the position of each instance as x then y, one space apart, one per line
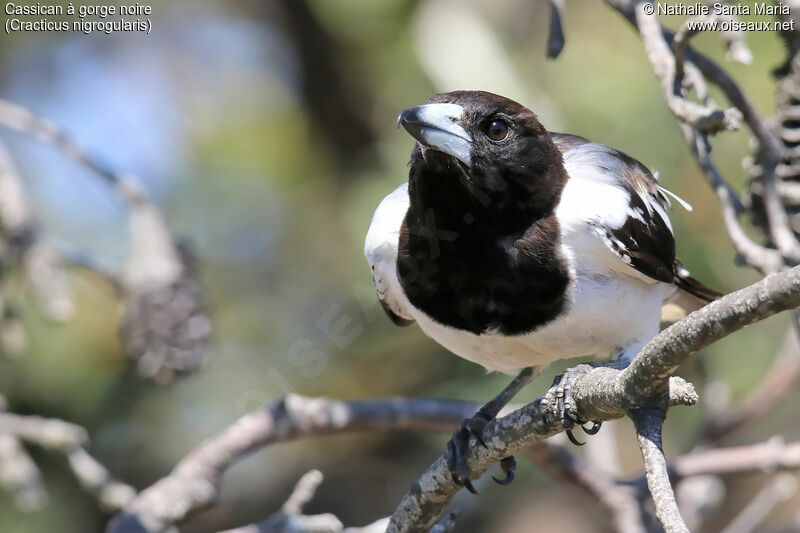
513 247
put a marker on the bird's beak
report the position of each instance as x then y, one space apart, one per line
435 126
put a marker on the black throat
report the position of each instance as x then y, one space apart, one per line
482 253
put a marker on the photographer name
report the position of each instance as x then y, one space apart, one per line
702 9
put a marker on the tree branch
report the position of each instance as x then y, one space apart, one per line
291 520
21 120
194 483
782 376
708 119
649 422
605 393
68 439
618 499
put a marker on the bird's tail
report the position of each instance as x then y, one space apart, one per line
690 296
694 288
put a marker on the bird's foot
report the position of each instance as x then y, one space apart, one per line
458 445
457 448
560 401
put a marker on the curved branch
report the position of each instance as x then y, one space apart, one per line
769 146
709 119
194 483
606 393
649 371
21 120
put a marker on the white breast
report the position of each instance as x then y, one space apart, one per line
610 312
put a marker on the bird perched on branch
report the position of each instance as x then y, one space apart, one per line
514 247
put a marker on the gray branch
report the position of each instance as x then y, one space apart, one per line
66 438
290 519
649 424
708 119
605 393
194 483
602 394
618 499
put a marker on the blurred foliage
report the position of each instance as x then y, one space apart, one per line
211 110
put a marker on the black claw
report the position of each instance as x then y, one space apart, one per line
573 440
458 445
592 430
506 480
509 465
468 485
451 458
463 481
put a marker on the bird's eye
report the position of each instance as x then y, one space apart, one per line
497 130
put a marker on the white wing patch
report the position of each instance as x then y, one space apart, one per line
597 202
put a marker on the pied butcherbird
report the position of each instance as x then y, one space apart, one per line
514 247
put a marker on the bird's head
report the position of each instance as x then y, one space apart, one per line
484 153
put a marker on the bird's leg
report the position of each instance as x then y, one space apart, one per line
559 398
458 444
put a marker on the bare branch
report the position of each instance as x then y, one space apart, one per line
194 483
303 492
68 439
702 118
291 520
679 45
619 500
777 490
605 393
766 260
764 457
46 432
782 376
112 494
656 40
165 324
649 422
650 370
772 455
19 119
20 476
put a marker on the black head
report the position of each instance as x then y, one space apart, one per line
484 154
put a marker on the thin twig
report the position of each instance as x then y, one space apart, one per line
69 439
777 491
782 376
20 119
770 456
764 259
619 500
20 476
291 520
707 119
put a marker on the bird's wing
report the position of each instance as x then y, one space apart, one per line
380 249
616 200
